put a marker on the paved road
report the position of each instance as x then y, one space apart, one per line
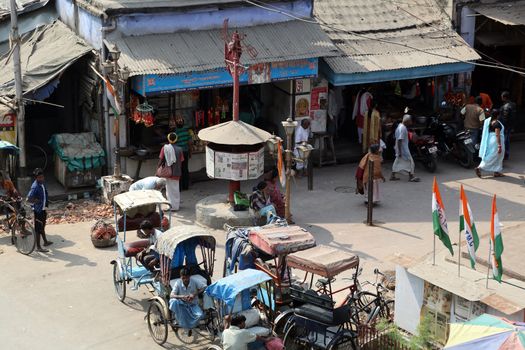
65 299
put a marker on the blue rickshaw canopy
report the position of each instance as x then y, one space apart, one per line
227 288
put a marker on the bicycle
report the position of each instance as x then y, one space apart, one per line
370 306
23 234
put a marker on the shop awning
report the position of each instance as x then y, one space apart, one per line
45 53
203 50
510 13
390 41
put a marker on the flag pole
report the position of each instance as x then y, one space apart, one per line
434 256
459 254
488 264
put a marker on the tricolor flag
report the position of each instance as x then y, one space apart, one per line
439 219
111 95
468 227
280 164
497 243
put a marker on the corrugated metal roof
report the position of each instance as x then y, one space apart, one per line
204 50
22 6
509 13
136 4
386 35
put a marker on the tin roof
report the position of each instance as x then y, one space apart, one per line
509 13
22 6
203 50
134 5
386 35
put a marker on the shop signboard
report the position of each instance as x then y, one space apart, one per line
234 166
256 74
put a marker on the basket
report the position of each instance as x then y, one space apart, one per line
104 243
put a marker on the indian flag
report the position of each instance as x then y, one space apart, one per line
439 219
496 241
468 227
111 95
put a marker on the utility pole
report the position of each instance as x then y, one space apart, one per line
233 52
20 122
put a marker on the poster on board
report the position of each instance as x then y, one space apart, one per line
302 106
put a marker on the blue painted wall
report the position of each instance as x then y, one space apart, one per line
140 24
168 22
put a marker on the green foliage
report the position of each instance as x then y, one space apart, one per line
423 339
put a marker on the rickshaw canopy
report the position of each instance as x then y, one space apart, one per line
184 238
134 199
226 289
323 261
277 240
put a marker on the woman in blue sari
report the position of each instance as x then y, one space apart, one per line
492 147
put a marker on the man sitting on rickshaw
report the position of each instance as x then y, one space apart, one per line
7 192
184 300
149 257
261 203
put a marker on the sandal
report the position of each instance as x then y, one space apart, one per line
393 178
414 179
498 175
478 172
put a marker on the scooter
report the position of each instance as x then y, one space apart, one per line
423 149
452 143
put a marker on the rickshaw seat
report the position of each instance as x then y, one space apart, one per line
326 316
133 248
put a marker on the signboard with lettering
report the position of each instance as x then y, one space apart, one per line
256 74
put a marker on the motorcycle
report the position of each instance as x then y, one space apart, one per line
452 143
423 149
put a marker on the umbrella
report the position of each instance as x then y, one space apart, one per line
487 332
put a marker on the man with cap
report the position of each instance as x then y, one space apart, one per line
404 161
172 156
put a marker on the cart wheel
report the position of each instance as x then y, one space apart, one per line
186 336
212 325
157 323
23 234
119 282
213 347
291 338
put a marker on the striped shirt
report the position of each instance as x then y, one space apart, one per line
183 138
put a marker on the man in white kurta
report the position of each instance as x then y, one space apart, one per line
302 133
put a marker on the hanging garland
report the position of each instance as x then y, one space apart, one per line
144 114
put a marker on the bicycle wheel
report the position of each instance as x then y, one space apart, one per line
24 236
366 304
292 337
119 281
386 310
157 323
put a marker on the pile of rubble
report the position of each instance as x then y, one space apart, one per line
78 211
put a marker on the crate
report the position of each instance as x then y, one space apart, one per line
75 179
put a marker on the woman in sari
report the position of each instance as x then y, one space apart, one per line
362 174
492 147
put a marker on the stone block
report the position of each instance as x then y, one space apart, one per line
111 186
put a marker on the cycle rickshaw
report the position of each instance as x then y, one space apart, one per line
236 293
187 246
320 323
124 269
266 248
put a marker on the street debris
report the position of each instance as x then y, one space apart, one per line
78 211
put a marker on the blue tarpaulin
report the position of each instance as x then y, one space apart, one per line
227 288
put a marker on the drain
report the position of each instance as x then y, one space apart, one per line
344 189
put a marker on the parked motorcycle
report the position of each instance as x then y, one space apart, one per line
424 149
452 143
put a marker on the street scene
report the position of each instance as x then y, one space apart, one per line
230 175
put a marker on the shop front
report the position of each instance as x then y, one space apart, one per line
187 80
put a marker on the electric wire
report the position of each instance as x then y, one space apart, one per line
271 8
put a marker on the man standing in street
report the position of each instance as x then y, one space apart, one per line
302 133
38 196
473 116
404 161
183 141
507 118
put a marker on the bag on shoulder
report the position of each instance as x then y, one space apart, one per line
163 170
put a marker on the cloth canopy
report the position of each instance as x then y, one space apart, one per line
45 53
234 133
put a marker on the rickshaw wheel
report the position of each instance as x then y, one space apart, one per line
24 235
184 336
120 284
157 323
212 325
213 347
291 338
